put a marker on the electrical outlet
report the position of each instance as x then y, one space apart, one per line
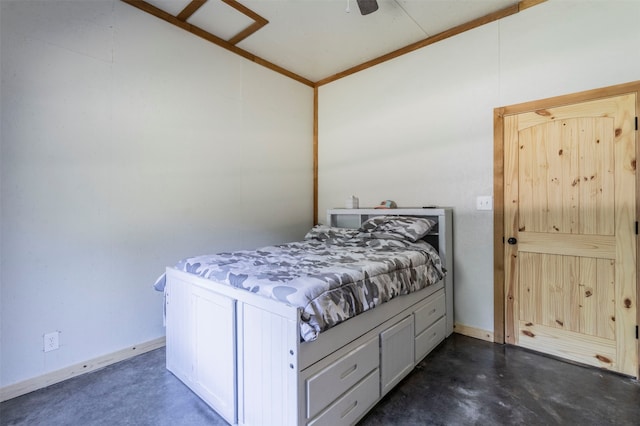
51 341
484 202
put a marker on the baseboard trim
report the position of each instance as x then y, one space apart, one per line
476 333
30 385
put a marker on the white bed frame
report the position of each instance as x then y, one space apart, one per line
242 354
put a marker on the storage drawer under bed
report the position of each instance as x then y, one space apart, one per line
331 382
430 325
351 406
430 338
430 312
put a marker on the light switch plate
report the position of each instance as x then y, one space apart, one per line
484 202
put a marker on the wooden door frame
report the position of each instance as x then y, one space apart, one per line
501 320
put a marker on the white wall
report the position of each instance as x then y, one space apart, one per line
419 129
128 144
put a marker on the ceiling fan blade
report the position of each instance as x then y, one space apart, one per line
367 6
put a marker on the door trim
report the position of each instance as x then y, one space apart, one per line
499 291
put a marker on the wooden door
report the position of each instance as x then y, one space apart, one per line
570 229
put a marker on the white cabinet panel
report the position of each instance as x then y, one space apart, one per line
268 368
179 331
201 344
396 353
215 355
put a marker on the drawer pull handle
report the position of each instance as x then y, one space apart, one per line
349 371
349 409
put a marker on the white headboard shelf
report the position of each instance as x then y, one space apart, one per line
352 218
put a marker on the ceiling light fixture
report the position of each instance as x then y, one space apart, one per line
367 6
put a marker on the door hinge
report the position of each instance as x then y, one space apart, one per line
636 332
636 227
636 123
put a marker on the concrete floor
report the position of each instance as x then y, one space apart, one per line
463 382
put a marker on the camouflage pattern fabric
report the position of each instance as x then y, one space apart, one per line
331 276
398 227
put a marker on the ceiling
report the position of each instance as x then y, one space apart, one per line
317 40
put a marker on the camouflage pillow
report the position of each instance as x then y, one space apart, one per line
398 227
324 232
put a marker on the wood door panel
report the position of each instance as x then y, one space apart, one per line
571 294
590 350
568 292
569 156
566 177
555 158
600 246
570 204
595 175
606 298
586 287
528 289
552 288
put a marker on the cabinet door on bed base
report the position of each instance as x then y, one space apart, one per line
201 344
179 350
396 354
215 354
267 367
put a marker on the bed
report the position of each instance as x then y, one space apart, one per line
260 348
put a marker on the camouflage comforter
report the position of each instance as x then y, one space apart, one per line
330 279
